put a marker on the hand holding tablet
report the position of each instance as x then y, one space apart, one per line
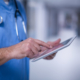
53 44
55 49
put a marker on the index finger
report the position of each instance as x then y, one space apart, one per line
54 43
41 43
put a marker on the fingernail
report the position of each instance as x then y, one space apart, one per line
50 46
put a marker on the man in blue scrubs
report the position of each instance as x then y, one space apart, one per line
14 54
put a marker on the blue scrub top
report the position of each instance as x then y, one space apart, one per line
14 69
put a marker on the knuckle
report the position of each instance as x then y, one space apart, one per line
30 39
28 44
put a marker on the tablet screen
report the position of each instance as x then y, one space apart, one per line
47 51
52 49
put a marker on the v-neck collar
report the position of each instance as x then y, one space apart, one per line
5 6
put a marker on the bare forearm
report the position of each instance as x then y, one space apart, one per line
13 52
3 55
6 54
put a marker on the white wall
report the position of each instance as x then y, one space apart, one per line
41 22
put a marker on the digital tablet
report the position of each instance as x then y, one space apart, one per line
53 50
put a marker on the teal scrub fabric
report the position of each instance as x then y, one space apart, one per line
14 69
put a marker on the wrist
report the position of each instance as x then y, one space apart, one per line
14 51
8 54
11 52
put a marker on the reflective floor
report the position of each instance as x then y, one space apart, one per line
65 65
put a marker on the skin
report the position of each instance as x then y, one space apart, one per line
26 48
